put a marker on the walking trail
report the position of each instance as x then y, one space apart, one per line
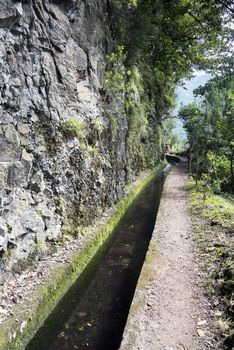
167 306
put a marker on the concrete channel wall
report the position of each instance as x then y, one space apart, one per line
140 303
28 317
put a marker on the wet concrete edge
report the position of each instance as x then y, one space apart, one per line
148 272
17 331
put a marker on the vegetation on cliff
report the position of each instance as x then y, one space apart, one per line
164 41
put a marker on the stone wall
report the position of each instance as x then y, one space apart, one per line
62 160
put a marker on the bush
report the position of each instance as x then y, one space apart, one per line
220 171
97 124
73 127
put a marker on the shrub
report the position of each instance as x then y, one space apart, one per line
115 76
73 127
97 124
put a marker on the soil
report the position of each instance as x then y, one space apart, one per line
169 310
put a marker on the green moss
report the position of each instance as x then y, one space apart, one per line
60 204
73 127
143 141
146 272
44 300
93 149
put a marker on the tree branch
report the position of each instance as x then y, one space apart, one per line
226 5
198 20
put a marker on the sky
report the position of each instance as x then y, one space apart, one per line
185 95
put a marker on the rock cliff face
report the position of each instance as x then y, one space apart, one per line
65 153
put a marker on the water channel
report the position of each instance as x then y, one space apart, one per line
93 314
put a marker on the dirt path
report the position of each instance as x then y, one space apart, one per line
167 312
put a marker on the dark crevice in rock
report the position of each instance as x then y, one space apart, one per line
57 47
49 11
38 11
59 75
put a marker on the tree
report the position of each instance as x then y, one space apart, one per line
210 128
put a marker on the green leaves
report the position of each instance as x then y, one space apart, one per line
176 35
210 128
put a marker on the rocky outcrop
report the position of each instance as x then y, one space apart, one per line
63 139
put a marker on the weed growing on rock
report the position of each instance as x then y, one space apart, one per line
114 77
73 127
97 124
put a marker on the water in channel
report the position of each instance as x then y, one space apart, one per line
93 314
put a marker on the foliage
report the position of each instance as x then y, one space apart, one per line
159 44
174 35
219 166
93 149
114 78
130 3
210 129
142 146
97 124
172 141
60 204
213 232
218 210
73 127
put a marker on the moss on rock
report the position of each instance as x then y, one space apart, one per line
17 331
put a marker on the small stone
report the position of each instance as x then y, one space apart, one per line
201 323
37 183
12 336
11 134
3 227
34 118
23 129
28 157
218 313
23 325
200 332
